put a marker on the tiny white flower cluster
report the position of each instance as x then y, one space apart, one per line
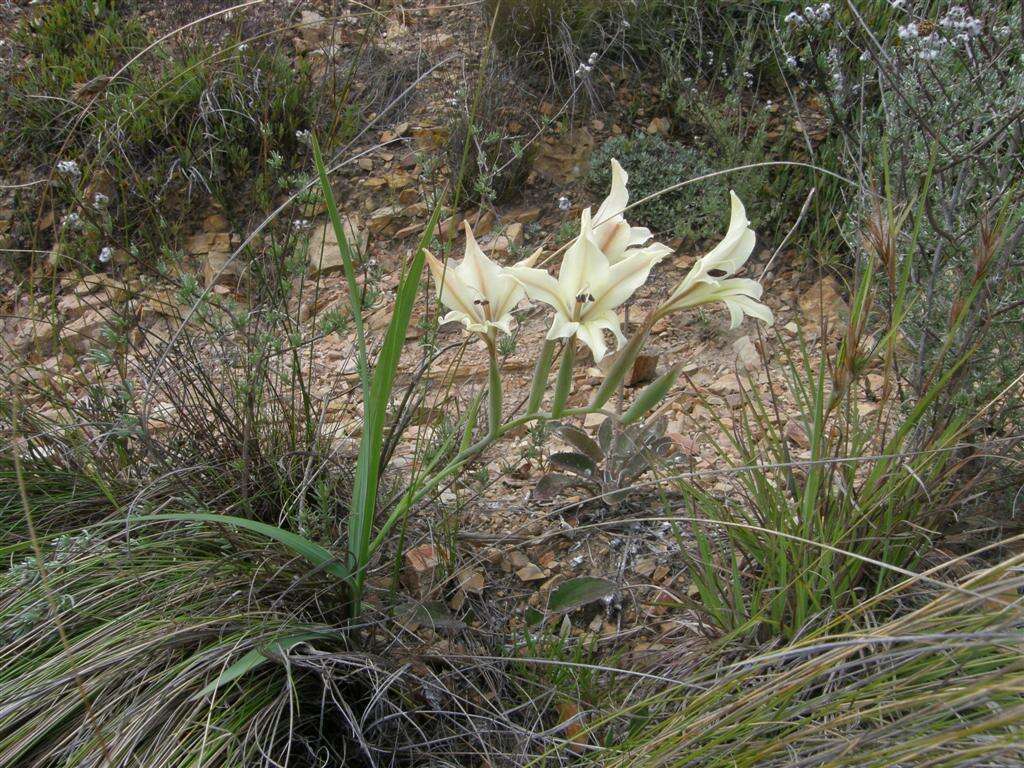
68 168
835 66
106 254
813 14
925 48
586 66
819 14
303 136
908 31
100 200
563 203
957 27
71 221
958 21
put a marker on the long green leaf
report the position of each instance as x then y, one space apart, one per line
355 304
580 591
364 493
254 658
318 556
651 395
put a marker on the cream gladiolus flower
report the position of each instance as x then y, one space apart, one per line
740 295
612 232
588 289
480 293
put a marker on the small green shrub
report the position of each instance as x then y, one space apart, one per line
180 127
691 212
69 45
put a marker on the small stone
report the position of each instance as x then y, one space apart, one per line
72 306
823 303
381 218
312 29
398 181
449 227
514 233
397 132
80 334
517 559
472 580
420 564
526 215
746 351
645 566
409 230
574 726
796 433
366 163
530 572
324 252
659 125
685 444
645 369
499 246
484 224
457 600
876 384
220 268
725 383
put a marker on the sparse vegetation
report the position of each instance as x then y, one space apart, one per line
356 412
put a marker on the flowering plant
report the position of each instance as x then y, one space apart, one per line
601 269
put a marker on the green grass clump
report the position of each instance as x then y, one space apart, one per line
939 686
654 163
185 124
549 39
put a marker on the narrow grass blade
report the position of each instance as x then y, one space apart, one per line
253 659
364 495
316 555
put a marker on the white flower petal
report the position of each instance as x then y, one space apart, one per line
451 290
608 321
623 280
561 327
611 209
540 286
584 267
476 269
728 256
614 239
593 337
739 294
737 245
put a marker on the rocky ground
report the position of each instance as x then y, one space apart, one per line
500 546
